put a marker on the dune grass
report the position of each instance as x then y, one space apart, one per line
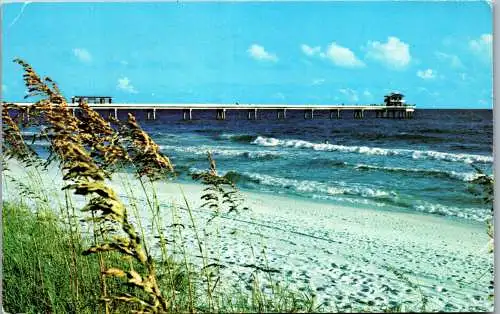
42 273
51 265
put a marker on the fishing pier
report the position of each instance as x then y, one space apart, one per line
393 107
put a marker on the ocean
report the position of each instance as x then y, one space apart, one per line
422 164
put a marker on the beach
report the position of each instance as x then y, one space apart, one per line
347 255
357 258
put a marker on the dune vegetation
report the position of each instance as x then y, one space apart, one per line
86 249
61 258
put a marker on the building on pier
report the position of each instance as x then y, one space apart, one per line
92 99
394 100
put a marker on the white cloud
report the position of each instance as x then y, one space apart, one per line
367 94
453 60
318 81
4 88
394 53
424 90
82 54
426 74
259 53
279 95
484 102
310 51
124 62
482 46
352 95
342 56
125 85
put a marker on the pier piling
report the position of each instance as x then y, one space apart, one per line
335 113
249 114
311 112
187 114
283 114
26 115
221 114
359 114
113 113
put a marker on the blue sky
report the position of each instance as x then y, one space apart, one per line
437 53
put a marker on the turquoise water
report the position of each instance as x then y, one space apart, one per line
424 164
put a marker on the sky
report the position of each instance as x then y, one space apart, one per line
438 54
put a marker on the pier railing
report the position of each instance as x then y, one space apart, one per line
405 111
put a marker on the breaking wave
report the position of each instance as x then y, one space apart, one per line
477 214
461 176
202 151
362 194
308 186
415 154
238 138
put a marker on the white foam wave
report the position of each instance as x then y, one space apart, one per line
462 176
29 133
202 150
477 214
415 154
466 158
371 196
270 142
41 143
309 186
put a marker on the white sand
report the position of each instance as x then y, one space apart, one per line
342 254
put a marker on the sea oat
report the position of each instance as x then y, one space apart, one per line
85 177
144 152
219 190
100 137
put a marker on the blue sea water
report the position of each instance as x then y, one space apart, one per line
422 164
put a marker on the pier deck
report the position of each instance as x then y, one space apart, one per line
382 111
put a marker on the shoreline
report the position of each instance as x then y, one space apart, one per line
345 255
356 206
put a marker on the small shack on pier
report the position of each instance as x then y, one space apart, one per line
394 100
92 99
